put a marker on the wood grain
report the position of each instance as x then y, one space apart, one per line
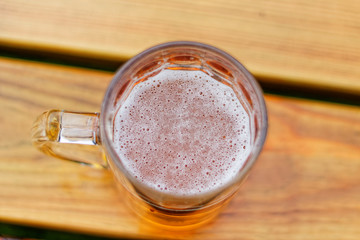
312 43
305 184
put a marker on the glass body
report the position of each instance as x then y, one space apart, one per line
95 133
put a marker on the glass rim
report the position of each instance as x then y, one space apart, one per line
259 141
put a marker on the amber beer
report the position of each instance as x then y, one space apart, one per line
184 136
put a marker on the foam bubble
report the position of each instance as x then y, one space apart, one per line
183 133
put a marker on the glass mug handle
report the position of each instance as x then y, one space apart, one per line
73 136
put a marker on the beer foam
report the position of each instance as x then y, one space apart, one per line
182 133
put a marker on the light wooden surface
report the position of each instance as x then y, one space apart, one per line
314 43
305 184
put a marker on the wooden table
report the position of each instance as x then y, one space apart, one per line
305 184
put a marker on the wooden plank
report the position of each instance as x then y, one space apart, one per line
305 184
313 43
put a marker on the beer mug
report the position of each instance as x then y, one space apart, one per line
180 127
